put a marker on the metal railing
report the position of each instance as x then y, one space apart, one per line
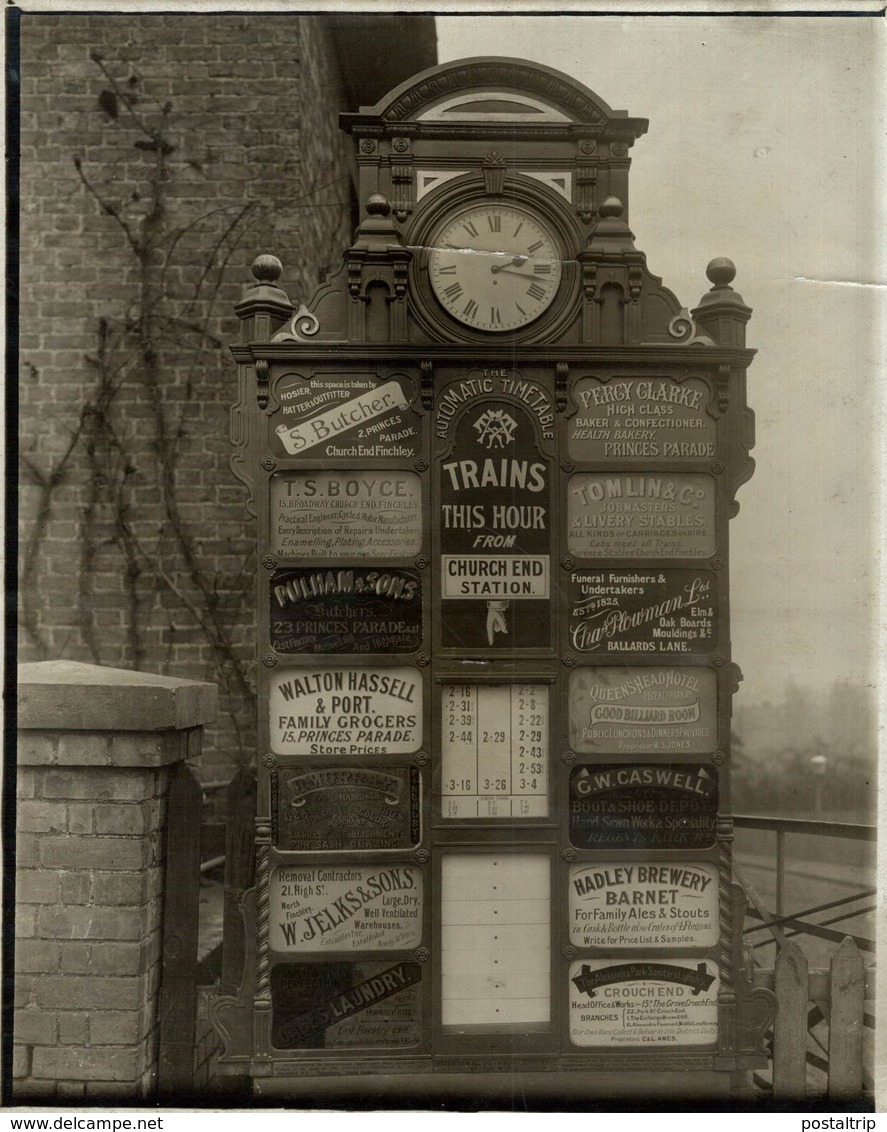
824 1025
776 921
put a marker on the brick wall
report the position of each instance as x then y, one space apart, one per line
90 874
136 547
88 924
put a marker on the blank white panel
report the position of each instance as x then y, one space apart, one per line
495 939
493 912
490 1012
464 936
483 877
505 974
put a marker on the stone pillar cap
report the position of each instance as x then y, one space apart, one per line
69 695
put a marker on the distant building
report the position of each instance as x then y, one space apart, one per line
842 718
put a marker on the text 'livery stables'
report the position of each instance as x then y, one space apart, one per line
492 461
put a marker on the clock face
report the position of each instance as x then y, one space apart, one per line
494 267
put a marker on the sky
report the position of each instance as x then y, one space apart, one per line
763 147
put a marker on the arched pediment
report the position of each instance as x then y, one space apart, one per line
501 90
492 106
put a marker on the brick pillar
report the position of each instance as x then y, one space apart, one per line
96 751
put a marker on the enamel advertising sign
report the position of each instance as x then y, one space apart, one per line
346 711
642 710
668 806
648 1002
641 516
346 1005
334 908
355 609
346 808
345 415
642 611
655 418
352 515
636 904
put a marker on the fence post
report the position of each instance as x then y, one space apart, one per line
239 872
790 1027
847 999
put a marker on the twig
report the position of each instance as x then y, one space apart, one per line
109 210
122 95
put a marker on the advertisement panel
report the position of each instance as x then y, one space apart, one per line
355 515
669 806
641 516
334 908
629 904
345 415
643 611
346 1005
643 710
345 711
651 417
354 609
645 1002
345 808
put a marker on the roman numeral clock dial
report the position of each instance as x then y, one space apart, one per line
494 267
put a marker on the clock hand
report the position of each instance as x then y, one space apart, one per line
516 261
511 271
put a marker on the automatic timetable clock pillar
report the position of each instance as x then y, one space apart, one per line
493 462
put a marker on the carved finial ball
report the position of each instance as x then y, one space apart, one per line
612 206
378 205
266 269
721 271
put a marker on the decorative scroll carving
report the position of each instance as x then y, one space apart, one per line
355 271
755 1006
742 465
635 282
722 385
589 280
561 372
231 1015
262 370
684 327
744 473
401 188
240 427
302 325
401 276
427 381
